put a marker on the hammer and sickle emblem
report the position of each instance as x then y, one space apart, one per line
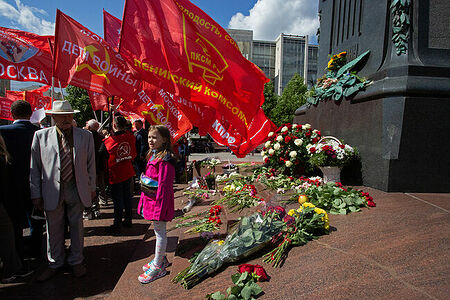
102 73
152 116
204 55
123 150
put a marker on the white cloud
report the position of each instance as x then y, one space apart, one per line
26 18
269 18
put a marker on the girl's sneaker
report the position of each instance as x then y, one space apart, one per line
152 274
165 264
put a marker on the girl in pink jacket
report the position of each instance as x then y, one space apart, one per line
157 197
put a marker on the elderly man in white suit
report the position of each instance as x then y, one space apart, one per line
62 177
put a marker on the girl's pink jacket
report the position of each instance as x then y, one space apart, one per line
160 206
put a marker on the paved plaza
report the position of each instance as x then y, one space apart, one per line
397 250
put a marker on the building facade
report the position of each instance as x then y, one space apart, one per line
4 85
279 59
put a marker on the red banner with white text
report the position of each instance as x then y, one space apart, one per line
84 59
212 122
25 56
257 134
15 95
158 110
5 109
176 46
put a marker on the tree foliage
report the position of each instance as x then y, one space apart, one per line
79 99
270 99
292 98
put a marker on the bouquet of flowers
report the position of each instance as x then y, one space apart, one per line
334 197
195 195
340 80
330 152
245 283
240 198
208 224
251 234
337 61
304 224
210 180
210 163
285 150
228 177
234 184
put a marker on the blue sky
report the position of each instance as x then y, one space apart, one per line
267 18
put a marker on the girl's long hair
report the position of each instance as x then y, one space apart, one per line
166 151
3 151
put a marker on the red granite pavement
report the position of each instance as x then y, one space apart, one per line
398 250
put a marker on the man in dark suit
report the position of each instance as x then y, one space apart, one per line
141 147
18 137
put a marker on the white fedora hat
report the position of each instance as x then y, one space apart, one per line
61 108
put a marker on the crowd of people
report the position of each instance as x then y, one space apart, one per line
60 175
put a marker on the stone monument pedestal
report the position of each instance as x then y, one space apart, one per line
401 123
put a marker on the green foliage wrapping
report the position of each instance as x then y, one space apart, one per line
339 84
251 235
400 25
245 288
334 199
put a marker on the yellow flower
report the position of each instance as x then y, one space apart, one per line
308 204
219 242
319 211
330 63
291 212
324 218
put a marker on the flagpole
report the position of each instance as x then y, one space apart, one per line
52 93
107 119
113 112
60 90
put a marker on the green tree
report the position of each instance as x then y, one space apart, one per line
270 99
79 99
292 98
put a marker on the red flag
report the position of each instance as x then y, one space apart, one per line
257 134
152 104
84 59
176 46
210 121
5 109
25 56
201 115
98 101
15 95
111 28
157 109
37 99
132 117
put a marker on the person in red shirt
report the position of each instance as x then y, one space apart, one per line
120 150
